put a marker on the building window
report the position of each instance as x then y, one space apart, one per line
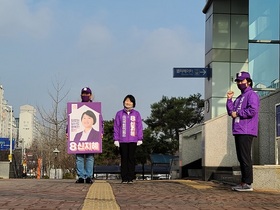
264 40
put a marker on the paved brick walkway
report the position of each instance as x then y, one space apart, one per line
32 194
47 194
190 195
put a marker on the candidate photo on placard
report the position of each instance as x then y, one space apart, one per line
88 119
84 128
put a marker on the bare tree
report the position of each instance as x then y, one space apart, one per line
52 129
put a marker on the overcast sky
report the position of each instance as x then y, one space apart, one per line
116 47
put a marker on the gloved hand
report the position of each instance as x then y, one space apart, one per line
139 143
117 143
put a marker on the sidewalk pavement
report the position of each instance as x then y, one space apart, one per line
49 194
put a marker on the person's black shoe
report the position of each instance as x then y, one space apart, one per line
80 180
89 180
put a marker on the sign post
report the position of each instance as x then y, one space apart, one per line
5 144
192 72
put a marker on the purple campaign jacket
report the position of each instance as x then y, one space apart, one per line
247 107
128 128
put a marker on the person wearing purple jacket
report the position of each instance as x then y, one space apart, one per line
128 134
245 119
85 162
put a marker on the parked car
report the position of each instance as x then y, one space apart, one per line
146 177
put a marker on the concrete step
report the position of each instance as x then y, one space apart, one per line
227 177
266 177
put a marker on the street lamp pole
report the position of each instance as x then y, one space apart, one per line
56 151
23 158
11 133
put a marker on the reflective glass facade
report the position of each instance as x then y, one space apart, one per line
264 42
226 49
241 35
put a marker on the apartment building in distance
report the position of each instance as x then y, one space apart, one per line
27 126
7 119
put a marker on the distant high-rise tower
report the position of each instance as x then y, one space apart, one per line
27 125
6 117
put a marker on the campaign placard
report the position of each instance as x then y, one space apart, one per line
84 127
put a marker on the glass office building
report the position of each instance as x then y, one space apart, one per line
241 35
226 50
264 40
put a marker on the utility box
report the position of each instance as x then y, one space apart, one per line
56 173
4 169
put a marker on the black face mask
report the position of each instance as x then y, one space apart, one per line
242 86
85 98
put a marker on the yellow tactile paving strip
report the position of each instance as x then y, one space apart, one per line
194 184
100 196
190 183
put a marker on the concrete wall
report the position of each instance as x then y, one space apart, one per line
265 147
190 148
213 142
190 145
218 143
266 177
218 146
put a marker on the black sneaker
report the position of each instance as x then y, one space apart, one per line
124 182
80 180
89 180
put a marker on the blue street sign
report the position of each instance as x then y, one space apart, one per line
191 72
5 144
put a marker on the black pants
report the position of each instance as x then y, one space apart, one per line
243 144
127 151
